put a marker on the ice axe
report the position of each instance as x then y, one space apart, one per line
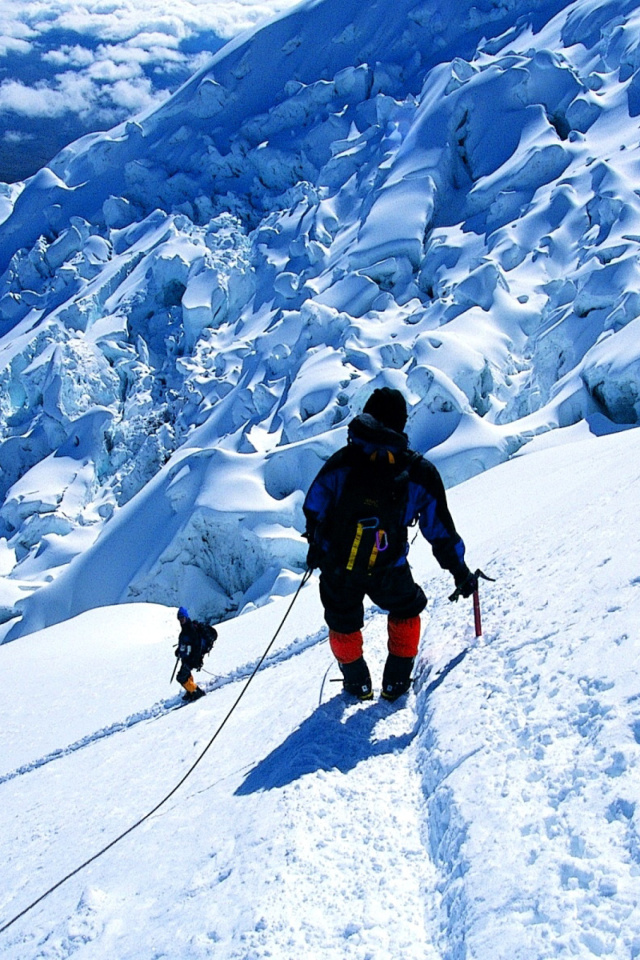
174 671
457 593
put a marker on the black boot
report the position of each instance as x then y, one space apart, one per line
396 678
357 679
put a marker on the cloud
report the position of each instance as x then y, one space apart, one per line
132 52
70 94
125 19
111 72
17 136
15 35
122 22
16 97
156 39
13 45
72 56
136 95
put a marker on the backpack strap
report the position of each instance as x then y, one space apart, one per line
369 524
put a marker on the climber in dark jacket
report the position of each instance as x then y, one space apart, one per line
358 510
189 650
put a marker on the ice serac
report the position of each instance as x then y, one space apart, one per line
439 198
248 82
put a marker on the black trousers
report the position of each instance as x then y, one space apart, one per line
392 589
186 666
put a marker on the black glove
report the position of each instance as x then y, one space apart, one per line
177 651
466 585
314 556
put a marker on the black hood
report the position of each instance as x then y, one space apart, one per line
370 434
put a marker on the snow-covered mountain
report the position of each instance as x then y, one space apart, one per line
437 197
441 198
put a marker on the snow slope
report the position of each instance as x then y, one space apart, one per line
493 815
193 305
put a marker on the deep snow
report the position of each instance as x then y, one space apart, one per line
494 814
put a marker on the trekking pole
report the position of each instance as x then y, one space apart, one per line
174 671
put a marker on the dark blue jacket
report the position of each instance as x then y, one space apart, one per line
426 500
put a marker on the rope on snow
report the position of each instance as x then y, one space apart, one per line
138 823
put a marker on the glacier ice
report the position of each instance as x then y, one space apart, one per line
445 204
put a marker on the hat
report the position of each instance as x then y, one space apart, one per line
183 614
388 407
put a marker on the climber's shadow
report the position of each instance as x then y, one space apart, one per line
327 740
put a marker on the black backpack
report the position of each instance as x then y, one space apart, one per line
366 529
207 635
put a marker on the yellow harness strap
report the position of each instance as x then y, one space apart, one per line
381 538
355 546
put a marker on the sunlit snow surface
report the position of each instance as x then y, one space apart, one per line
196 303
492 814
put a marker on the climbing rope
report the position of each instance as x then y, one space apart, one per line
209 674
138 823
